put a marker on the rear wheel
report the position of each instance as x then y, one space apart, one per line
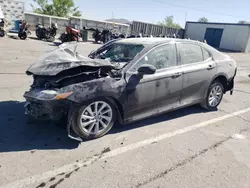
94 119
50 39
38 34
214 96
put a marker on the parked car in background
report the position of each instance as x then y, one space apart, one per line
127 80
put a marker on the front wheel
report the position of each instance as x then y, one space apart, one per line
2 33
214 96
94 119
23 36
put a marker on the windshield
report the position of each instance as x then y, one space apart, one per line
120 52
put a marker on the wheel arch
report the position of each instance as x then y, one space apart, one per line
119 108
222 78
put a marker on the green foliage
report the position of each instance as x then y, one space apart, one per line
203 19
169 22
60 8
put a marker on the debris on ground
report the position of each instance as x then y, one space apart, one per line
106 150
32 151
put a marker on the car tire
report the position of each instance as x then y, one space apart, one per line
214 96
89 123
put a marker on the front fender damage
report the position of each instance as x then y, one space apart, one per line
109 88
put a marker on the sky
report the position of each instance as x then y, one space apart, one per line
153 11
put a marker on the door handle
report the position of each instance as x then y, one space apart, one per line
210 67
176 75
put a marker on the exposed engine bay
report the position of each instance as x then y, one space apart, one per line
64 66
72 76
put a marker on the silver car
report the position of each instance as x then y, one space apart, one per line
127 80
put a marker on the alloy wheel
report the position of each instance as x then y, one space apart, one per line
215 96
96 117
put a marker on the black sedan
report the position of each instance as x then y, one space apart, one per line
126 80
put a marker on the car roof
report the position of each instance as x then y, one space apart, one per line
152 40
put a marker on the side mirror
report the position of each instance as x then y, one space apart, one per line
92 54
146 69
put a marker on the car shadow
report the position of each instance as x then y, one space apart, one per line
196 109
35 38
19 135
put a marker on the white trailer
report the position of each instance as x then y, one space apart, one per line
228 36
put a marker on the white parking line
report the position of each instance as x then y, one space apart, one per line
67 168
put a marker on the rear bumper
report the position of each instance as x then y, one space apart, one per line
230 85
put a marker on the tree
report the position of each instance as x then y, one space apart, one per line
203 19
169 22
60 8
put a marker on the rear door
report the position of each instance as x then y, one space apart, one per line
198 71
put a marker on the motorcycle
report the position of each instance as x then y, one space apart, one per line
23 30
117 36
2 31
46 33
103 36
97 35
71 34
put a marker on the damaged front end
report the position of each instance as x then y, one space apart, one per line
54 75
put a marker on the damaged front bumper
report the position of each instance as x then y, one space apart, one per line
44 109
48 110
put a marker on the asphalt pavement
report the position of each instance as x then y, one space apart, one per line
188 148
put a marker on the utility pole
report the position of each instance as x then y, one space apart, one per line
185 17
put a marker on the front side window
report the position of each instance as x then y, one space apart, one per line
190 53
161 57
119 52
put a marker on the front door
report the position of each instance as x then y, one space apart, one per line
159 92
140 96
198 72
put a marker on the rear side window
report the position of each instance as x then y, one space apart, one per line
206 54
190 53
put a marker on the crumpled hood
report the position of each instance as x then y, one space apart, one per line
52 69
61 59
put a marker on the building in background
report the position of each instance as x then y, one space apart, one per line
228 36
12 11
